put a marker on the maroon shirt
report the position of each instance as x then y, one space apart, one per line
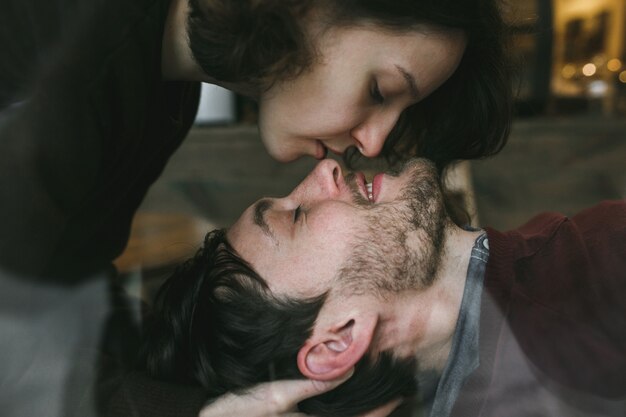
553 318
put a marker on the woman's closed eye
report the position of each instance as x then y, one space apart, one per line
376 94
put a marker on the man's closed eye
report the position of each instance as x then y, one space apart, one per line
296 213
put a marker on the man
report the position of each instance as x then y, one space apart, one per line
342 274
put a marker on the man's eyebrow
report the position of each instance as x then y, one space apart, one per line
259 216
410 80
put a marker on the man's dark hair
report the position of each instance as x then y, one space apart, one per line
257 42
216 323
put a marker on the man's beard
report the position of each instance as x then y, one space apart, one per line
402 244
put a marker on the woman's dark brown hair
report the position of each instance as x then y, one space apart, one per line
255 42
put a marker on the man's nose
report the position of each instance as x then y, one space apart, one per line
324 180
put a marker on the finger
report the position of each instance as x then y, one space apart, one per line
271 398
285 395
307 388
384 410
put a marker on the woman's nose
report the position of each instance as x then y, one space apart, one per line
370 135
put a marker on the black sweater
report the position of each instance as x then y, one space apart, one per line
86 126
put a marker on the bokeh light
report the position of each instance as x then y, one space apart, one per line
568 71
598 88
589 69
614 65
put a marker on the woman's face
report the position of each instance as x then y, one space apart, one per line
364 79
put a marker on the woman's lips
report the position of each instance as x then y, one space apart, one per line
321 151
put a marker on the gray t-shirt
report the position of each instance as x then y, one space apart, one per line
440 393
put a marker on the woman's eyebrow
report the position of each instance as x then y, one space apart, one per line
410 80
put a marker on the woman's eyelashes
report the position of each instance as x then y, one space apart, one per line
296 213
376 94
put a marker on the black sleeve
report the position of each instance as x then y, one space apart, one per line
49 155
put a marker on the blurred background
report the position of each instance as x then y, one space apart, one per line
567 149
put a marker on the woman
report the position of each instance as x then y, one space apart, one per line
87 123
330 75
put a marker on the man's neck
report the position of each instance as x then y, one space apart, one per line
425 320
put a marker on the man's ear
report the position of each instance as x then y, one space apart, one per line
330 354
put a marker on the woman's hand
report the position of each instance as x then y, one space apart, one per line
271 399
278 398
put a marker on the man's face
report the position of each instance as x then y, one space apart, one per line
330 227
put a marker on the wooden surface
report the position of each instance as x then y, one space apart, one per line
160 239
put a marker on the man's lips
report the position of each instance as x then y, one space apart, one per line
361 183
377 184
369 191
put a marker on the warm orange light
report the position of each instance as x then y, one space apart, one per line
622 76
589 69
568 71
614 65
